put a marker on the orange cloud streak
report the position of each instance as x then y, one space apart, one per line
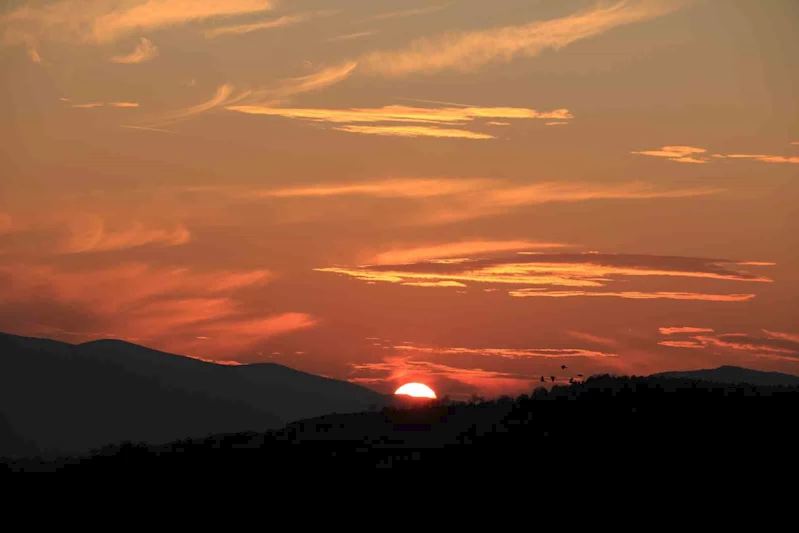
456 249
685 329
415 131
634 295
144 51
467 51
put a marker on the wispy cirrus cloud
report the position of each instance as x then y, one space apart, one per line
455 249
412 12
427 120
594 339
762 158
92 105
144 51
681 154
468 199
172 308
538 274
467 51
689 154
224 95
321 79
280 22
635 295
393 188
510 353
241 29
444 115
351 36
415 131
91 234
770 345
105 21
676 330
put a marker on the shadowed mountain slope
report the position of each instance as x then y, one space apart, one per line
71 398
604 418
734 374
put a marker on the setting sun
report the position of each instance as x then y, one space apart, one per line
416 390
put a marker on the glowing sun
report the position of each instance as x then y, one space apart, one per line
416 390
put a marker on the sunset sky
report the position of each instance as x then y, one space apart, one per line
466 194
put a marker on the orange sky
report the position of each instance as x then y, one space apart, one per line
468 194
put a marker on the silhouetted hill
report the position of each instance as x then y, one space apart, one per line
603 415
72 398
734 374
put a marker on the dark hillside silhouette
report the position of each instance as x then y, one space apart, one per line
71 398
734 374
639 414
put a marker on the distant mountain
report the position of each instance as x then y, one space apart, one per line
734 374
71 398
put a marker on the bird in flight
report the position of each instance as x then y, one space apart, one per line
563 367
552 378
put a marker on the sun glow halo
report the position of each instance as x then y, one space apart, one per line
416 390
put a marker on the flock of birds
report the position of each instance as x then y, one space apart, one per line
562 367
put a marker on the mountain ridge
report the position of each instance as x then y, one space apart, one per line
71 397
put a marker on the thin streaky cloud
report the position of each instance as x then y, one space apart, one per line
280 22
793 337
683 329
468 51
396 113
144 51
146 129
434 284
694 345
583 270
688 154
764 158
351 36
241 29
222 96
795 143
779 346
456 249
494 123
690 160
415 131
556 123
470 199
437 102
91 105
414 12
510 353
396 188
636 295
596 339
91 234
321 79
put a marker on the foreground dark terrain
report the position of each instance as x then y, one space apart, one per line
648 415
